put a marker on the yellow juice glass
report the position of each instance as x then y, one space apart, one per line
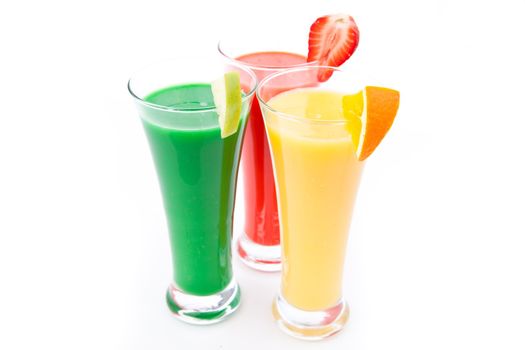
317 175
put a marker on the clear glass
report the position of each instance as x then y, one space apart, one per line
258 244
197 172
317 175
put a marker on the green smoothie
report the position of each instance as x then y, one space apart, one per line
197 171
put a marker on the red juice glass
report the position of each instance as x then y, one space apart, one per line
258 244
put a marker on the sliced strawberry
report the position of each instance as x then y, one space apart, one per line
333 39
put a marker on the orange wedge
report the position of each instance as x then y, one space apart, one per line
370 113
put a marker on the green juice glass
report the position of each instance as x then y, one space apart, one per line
197 172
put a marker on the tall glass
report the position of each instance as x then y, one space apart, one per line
197 172
317 175
258 245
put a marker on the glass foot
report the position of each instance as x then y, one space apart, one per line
203 310
257 256
309 325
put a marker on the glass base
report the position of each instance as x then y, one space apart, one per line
260 257
203 310
309 325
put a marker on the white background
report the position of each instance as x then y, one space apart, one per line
436 258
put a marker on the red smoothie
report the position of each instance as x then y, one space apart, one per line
262 220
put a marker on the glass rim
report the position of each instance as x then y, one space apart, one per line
244 98
293 117
262 67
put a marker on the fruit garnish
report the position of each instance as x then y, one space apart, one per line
228 102
370 114
333 39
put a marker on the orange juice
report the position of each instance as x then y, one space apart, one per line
317 176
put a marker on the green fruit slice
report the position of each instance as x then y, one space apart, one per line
228 102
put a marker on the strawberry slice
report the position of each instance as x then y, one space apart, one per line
333 39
